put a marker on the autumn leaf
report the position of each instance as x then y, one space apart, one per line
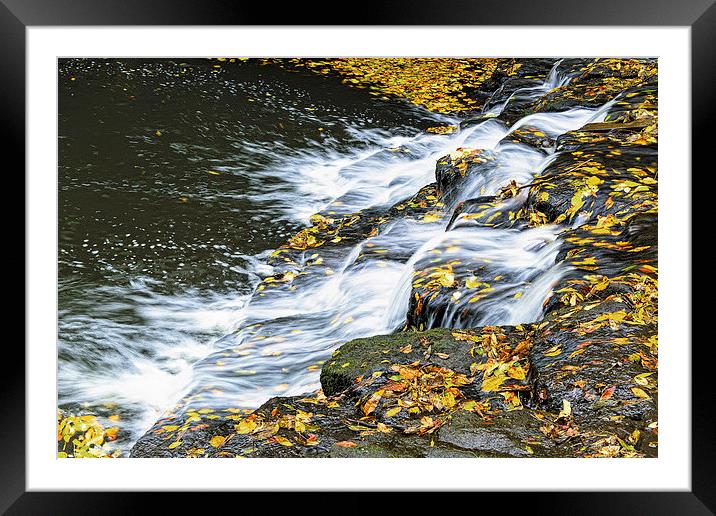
493 382
517 372
246 426
639 393
372 402
607 393
553 351
217 441
430 218
111 433
392 412
566 409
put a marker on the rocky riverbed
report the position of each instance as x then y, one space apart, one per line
579 381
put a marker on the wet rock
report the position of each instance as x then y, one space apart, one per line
595 84
317 249
488 211
594 360
426 201
463 282
459 351
475 120
612 250
530 136
604 176
529 73
509 434
453 170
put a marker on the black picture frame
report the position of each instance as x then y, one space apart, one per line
700 15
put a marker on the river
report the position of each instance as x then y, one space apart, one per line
179 178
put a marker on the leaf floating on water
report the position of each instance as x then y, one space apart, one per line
442 129
447 279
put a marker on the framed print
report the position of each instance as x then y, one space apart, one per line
355 255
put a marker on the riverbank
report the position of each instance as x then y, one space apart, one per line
579 382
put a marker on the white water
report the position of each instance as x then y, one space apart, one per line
284 336
239 351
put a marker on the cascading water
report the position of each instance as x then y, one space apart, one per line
230 350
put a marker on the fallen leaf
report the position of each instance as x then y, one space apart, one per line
217 441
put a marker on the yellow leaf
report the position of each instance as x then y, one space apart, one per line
639 393
431 217
406 349
566 409
447 279
217 441
174 445
392 412
383 428
473 282
516 372
493 382
641 379
246 426
553 351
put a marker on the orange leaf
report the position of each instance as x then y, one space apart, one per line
372 402
607 393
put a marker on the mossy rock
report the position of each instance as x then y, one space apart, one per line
363 357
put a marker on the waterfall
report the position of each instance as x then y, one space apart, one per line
240 349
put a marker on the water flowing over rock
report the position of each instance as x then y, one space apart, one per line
506 306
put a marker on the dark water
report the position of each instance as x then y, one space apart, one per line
176 177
